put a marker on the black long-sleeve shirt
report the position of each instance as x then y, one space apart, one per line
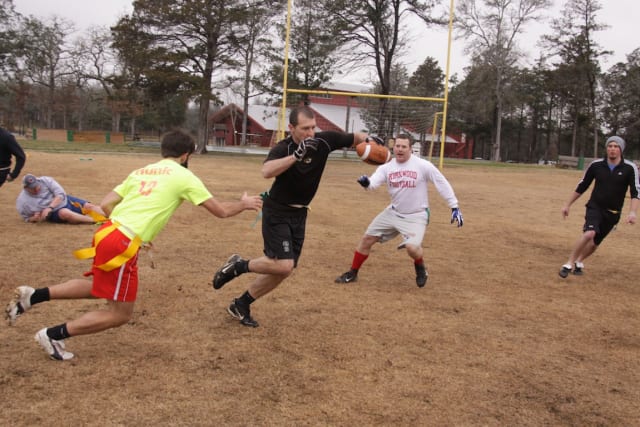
10 147
610 186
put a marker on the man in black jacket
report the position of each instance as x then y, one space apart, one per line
10 147
612 175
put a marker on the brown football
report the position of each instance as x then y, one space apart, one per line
372 153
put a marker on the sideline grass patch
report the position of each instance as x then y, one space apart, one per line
84 147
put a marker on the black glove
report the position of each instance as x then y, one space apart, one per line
305 149
364 181
456 216
373 138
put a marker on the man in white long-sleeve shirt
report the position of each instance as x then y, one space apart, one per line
406 177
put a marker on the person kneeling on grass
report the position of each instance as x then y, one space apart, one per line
43 199
138 210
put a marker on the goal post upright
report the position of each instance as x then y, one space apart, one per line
283 109
446 89
433 133
444 100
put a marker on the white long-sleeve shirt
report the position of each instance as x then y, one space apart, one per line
407 184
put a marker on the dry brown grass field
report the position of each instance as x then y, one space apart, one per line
496 338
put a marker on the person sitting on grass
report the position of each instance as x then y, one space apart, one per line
44 199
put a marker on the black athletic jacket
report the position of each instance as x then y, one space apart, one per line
10 147
611 185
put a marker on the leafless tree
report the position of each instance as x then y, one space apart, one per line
490 29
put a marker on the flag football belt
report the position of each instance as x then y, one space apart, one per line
95 215
117 260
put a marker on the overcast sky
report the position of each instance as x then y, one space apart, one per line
621 16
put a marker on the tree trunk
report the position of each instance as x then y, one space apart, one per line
574 134
245 100
132 127
203 111
498 89
115 121
203 125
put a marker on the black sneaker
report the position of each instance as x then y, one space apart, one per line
564 272
348 277
226 272
421 275
577 270
242 313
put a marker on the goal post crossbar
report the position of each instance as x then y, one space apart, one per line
366 95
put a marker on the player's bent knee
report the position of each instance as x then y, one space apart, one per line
120 319
284 267
414 251
367 241
64 214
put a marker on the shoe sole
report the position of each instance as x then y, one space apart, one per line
564 273
56 355
420 283
237 316
342 279
223 270
253 324
12 311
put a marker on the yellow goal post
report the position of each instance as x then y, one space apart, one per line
444 100
383 115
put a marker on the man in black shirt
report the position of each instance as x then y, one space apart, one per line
612 175
10 147
297 163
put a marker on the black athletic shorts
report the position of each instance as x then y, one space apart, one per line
4 172
283 232
601 221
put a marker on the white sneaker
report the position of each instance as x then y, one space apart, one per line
54 348
20 303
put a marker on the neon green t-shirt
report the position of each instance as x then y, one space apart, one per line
150 195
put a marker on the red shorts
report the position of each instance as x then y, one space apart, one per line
119 284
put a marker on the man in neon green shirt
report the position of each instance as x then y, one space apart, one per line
138 209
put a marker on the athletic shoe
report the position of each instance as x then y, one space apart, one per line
348 277
421 275
54 348
577 270
564 272
226 272
20 303
242 313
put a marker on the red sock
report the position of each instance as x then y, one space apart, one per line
418 261
358 260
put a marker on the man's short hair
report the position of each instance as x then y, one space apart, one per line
176 142
405 136
295 114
